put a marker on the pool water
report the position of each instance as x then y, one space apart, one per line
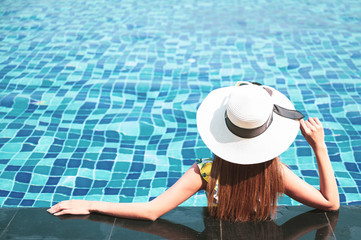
98 98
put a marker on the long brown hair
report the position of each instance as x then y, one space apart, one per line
245 192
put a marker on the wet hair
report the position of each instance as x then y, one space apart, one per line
245 192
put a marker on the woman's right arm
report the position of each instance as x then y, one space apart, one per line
327 198
190 183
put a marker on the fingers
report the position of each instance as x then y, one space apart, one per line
58 207
318 122
312 130
303 126
311 124
62 212
69 207
312 121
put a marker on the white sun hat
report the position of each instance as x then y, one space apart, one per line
248 123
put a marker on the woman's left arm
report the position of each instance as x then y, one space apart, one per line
327 198
190 183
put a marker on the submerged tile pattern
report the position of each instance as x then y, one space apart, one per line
98 98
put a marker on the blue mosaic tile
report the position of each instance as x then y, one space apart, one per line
98 100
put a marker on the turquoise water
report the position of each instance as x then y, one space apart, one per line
98 98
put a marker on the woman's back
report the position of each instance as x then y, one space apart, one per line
243 192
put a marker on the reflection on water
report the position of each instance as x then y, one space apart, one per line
323 223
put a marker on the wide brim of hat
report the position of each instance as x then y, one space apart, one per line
223 143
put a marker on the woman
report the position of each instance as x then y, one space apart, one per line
247 127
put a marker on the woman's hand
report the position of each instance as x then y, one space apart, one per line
75 207
312 130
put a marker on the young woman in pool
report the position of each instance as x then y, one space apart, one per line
247 127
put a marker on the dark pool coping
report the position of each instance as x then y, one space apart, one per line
292 222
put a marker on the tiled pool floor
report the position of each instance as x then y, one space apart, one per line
181 223
98 98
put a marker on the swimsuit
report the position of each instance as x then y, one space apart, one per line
205 167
